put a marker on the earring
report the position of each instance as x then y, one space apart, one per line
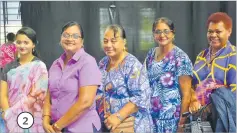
33 50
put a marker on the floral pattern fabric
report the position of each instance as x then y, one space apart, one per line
7 54
127 83
27 88
166 94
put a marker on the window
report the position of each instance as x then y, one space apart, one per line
104 22
11 17
147 16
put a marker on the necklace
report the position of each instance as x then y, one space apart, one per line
213 54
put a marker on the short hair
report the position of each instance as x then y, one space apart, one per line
73 23
163 20
117 28
220 17
11 37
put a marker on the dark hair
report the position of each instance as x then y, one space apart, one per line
11 37
116 29
166 21
72 23
220 17
31 34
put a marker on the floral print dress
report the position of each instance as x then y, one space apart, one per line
27 88
166 94
127 83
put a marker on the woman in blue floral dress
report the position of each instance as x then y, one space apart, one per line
169 71
125 87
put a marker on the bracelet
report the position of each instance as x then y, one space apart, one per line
119 117
55 127
47 115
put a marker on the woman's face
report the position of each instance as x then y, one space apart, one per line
71 39
162 34
113 45
24 45
217 35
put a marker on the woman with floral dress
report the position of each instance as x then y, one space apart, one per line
24 83
125 87
169 71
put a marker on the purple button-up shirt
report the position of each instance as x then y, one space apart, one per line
64 84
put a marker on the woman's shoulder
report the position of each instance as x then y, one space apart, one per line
11 65
151 51
231 48
180 53
86 57
131 59
131 63
103 62
39 62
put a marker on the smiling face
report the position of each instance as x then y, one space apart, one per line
71 39
24 45
113 43
162 34
217 35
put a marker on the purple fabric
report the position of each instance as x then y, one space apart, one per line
64 84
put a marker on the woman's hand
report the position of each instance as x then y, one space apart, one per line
112 122
194 106
48 128
46 125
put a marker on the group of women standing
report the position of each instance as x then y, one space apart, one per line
120 94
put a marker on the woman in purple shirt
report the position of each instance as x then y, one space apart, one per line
73 81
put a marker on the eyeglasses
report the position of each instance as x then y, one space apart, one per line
74 36
159 32
211 32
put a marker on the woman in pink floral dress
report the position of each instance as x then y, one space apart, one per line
24 84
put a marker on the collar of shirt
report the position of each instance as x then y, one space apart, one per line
74 59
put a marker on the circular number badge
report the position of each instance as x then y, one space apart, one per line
25 120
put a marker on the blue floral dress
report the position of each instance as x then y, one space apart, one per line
127 83
166 94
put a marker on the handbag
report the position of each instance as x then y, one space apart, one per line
126 126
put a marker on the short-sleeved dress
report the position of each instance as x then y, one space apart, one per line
166 94
127 83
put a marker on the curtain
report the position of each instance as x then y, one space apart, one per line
189 17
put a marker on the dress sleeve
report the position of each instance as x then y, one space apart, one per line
138 86
89 74
231 72
184 66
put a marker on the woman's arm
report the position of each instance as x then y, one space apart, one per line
47 108
185 85
46 114
139 95
4 97
85 100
